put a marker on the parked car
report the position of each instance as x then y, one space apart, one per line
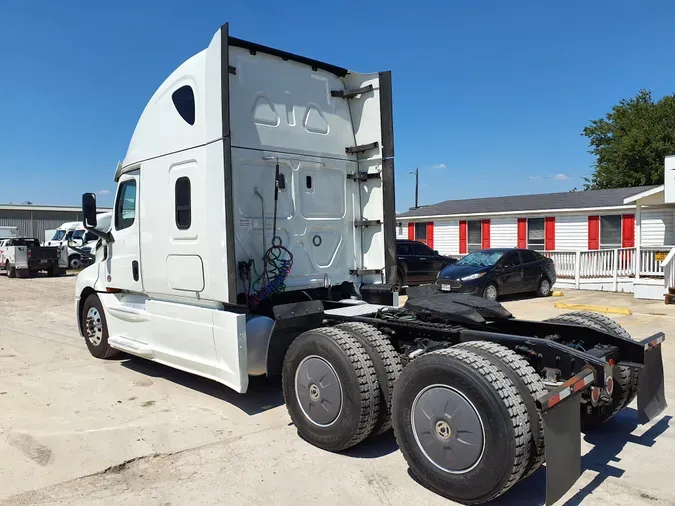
418 263
493 272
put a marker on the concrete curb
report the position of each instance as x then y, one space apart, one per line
597 309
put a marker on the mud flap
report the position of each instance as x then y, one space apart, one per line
562 437
651 390
561 414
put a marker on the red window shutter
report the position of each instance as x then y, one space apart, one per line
462 237
549 233
522 232
628 231
430 234
594 232
486 234
411 231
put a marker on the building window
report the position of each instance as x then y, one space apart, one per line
610 231
184 102
183 203
420 232
125 207
535 234
475 233
399 226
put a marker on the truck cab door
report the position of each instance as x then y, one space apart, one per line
122 269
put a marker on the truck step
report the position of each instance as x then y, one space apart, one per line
361 148
131 346
364 272
367 223
364 176
351 93
354 310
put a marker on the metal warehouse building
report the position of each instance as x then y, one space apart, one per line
33 220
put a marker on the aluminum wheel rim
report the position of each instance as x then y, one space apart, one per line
491 292
94 326
318 391
545 286
448 429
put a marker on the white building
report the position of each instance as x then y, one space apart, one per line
604 239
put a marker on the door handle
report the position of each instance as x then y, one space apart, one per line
134 269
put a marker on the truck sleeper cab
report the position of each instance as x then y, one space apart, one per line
253 232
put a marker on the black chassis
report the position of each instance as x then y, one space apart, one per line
577 369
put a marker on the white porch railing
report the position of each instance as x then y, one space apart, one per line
669 270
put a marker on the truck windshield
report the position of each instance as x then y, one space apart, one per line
78 234
481 258
58 235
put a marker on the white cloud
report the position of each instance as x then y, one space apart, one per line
103 192
562 177
439 166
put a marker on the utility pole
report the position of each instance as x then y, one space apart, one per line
416 173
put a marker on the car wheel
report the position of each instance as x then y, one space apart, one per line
544 288
490 292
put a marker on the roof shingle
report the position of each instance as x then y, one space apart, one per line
563 200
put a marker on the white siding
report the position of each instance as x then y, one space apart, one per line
446 237
504 232
657 227
401 230
571 232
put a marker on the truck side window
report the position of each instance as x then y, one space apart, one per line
125 207
183 203
184 102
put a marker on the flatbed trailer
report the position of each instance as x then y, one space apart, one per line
263 184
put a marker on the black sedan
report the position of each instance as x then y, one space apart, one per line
418 263
493 272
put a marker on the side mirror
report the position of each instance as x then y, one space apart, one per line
89 214
89 209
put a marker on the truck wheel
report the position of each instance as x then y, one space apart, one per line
386 361
95 328
625 378
461 425
530 387
74 262
330 388
11 270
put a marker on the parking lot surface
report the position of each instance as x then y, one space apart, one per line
76 430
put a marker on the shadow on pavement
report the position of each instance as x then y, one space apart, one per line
608 442
263 393
374 447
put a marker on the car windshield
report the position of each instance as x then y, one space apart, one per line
481 258
58 235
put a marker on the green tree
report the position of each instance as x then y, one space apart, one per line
631 142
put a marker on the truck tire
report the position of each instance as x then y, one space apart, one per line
11 270
455 391
74 262
387 363
625 378
95 328
330 389
530 387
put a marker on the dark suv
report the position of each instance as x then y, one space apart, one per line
418 263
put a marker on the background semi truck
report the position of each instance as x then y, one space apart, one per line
254 233
77 240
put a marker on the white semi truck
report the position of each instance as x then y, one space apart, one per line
77 240
254 233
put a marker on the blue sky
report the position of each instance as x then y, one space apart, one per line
490 97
